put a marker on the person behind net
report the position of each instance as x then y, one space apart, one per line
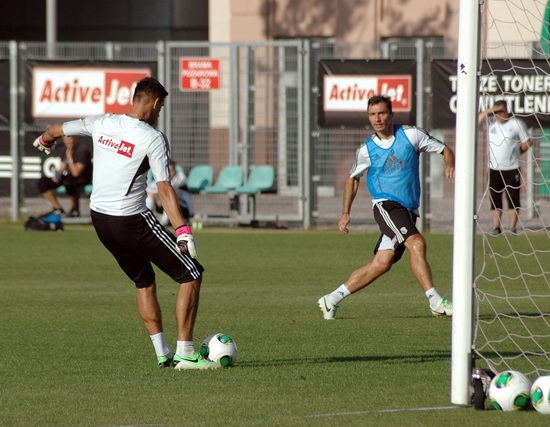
390 158
178 180
125 147
75 172
508 140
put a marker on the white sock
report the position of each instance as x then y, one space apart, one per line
433 297
185 348
338 294
161 347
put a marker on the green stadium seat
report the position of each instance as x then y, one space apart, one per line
229 178
200 177
261 179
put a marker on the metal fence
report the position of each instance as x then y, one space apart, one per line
264 113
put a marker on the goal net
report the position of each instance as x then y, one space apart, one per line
512 270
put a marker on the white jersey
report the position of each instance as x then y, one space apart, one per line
504 141
124 149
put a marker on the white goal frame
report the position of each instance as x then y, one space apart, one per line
464 201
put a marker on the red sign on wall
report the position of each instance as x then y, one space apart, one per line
199 74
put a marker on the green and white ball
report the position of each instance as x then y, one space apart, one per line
220 348
540 394
510 391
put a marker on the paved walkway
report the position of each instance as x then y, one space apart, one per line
329 208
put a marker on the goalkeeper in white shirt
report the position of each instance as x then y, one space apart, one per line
124 148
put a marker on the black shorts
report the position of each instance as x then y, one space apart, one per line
137 241
507 182
72 185
396 223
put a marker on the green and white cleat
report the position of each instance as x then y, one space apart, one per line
444 308
164 361
328 309
194 361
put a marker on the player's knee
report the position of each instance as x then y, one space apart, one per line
382 264
416 243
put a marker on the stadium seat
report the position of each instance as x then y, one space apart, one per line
85 190
229 178
261 179
200 177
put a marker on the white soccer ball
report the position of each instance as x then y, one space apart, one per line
540 394
510 391
220 348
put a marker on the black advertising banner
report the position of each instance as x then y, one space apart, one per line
65 90
346 86
524 84
5 93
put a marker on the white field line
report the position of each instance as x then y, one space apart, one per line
383 411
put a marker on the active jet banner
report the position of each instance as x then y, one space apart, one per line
57 91
68 90
524 84
346 86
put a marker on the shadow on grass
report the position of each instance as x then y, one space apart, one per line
435 356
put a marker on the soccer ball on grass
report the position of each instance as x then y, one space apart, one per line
220 348
510 391
540 394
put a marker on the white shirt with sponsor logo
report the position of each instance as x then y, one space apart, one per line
123 149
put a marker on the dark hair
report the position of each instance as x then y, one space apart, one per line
501 103
150 86
377 99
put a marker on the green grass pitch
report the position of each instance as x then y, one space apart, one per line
74 352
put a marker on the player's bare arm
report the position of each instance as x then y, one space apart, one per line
524 146
169 200
45 141
53 132
449 159
350 191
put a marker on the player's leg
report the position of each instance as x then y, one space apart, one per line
151 315
73 193
121 236
357 280
149 309
512 191
496 188
388 250
416 244
47 187
159 245
364 276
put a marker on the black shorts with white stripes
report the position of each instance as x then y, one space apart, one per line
396 223
138 241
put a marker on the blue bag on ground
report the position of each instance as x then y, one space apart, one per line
47 222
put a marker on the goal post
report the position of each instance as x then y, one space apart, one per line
464 201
